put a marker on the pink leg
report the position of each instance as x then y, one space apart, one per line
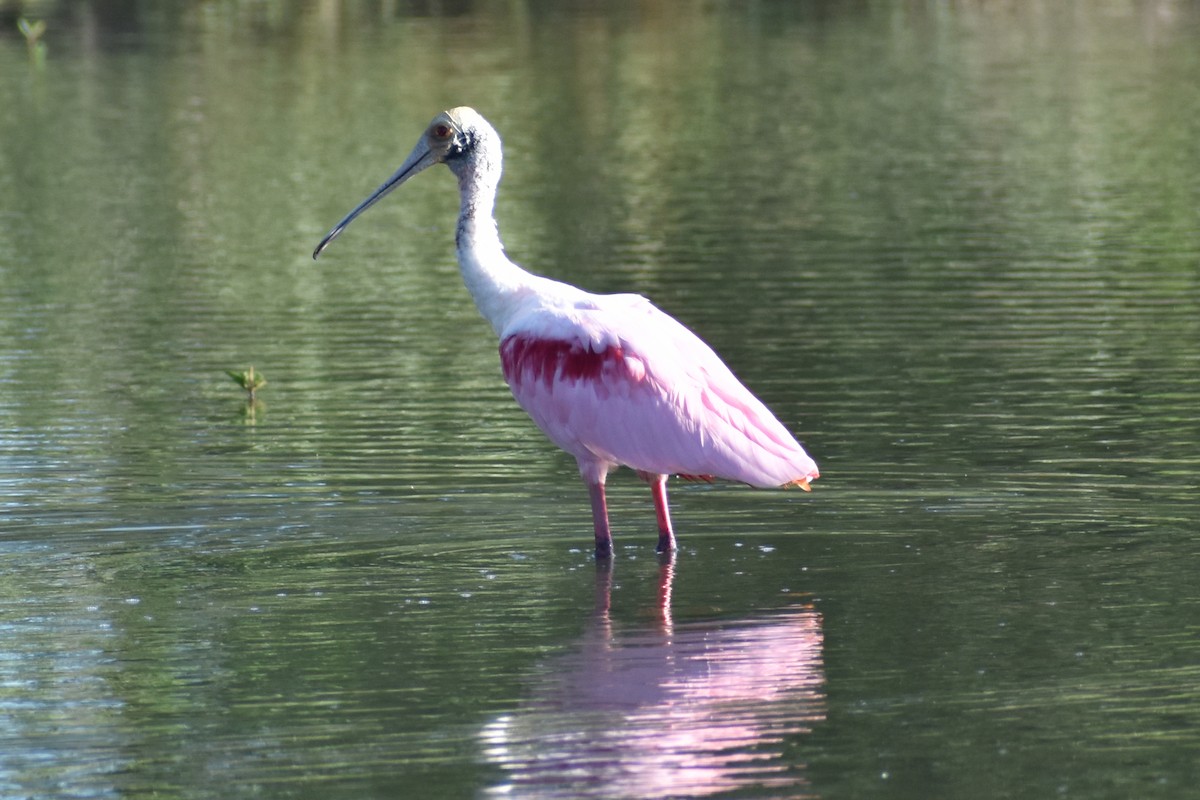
600 519
658 488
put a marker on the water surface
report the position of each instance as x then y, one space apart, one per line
955 248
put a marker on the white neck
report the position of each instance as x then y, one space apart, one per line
496 284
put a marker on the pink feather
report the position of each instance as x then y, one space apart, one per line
643 391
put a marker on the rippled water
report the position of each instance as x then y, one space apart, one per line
955 248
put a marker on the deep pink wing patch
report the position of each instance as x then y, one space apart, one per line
548 360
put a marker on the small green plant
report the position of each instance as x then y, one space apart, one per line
249 380
33 32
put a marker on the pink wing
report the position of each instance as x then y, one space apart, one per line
620 382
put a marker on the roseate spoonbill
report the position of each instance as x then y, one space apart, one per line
608 378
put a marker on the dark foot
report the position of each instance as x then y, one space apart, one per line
666 543
666 559
603 550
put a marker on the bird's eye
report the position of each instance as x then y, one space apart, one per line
441 131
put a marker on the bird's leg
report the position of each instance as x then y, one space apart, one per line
600 519
658 488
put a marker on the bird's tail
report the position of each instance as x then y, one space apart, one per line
802 483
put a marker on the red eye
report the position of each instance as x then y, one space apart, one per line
441 131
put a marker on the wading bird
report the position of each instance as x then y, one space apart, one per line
609 378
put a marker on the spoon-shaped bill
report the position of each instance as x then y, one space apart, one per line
420 158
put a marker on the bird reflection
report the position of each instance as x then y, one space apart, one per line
663 709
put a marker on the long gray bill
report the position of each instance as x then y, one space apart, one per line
419 159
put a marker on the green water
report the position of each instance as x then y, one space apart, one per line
955 247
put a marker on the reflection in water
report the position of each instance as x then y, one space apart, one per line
666 710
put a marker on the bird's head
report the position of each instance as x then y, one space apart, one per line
460 138
453 134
